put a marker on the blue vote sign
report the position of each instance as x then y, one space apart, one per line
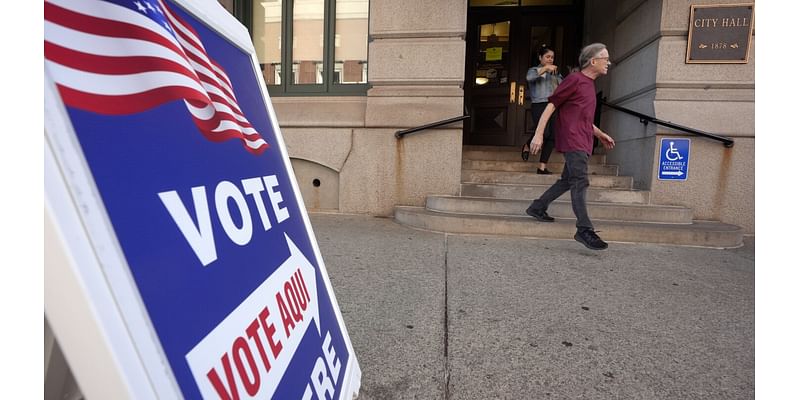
673 162
166 111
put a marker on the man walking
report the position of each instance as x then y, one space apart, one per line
575 99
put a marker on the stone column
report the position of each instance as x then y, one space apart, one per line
647 40
416 72
716 98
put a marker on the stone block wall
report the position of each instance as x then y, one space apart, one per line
647 40
631 31
347 143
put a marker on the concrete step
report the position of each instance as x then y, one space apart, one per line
513 154
528 178
531 166
562 209
530 192
699 233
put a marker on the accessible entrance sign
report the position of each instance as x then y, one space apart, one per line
673 163
161 132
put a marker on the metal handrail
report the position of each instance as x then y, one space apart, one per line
400 134
643 118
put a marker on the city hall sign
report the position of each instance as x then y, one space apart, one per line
720 34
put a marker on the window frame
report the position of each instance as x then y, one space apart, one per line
244 12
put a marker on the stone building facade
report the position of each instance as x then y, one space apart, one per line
347 159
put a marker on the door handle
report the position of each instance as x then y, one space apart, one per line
513 92
521 95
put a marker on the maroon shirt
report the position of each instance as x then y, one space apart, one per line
575 101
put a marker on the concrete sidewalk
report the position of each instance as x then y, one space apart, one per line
441 316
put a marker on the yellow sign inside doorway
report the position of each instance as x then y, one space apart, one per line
494 53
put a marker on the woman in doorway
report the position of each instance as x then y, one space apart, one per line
542 81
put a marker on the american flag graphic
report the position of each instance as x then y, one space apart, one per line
127 56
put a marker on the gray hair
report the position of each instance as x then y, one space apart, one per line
589 52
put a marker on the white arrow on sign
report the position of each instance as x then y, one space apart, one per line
672 173
235 348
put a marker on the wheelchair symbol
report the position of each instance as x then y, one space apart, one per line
672 153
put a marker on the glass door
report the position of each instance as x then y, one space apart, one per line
491 81
502 43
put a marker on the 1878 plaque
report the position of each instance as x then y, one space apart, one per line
720 33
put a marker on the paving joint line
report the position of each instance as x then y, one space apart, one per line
446 325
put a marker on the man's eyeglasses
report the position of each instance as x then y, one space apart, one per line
603 58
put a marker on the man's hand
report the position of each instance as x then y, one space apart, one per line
536 143
607 141
538 136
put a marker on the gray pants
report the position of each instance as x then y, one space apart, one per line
575 178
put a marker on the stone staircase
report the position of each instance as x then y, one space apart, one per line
497 187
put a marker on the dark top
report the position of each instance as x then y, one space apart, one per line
575 101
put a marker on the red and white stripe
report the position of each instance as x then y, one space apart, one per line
112 60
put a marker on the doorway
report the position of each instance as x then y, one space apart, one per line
501 45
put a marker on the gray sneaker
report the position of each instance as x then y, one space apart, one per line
591 240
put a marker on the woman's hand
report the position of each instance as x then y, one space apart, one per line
548 68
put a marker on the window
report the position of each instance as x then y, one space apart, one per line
307 47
